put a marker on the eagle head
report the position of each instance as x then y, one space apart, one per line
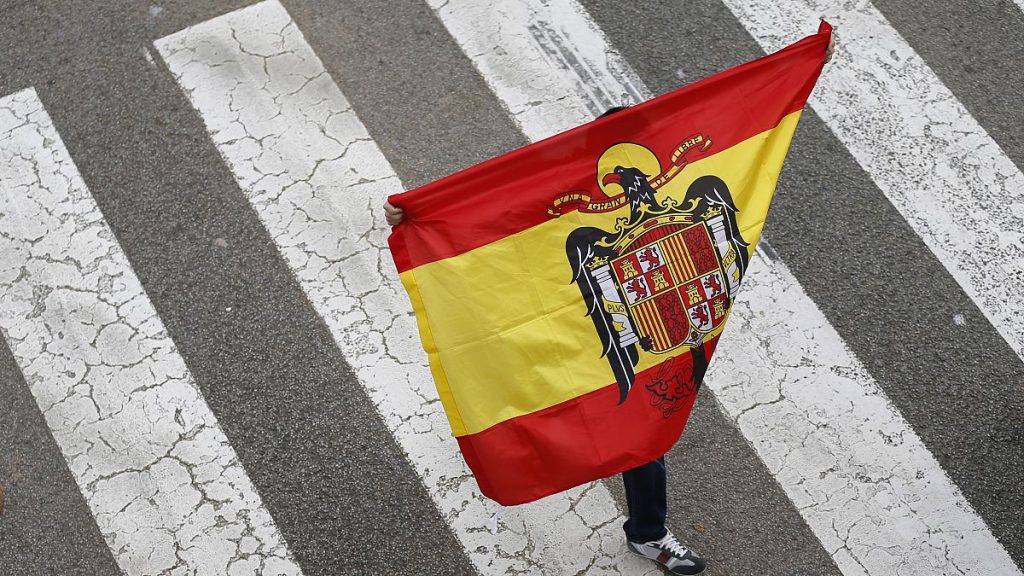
634 184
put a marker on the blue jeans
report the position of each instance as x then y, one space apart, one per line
645 496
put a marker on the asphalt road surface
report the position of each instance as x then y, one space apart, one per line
209 366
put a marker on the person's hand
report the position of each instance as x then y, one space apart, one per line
393 214
831 47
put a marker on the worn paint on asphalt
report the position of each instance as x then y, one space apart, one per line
318 181
861 477
872 493
549 64
163 483
943 172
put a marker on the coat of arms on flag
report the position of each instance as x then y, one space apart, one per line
666 276
570 294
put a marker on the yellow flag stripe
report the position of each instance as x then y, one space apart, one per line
508 332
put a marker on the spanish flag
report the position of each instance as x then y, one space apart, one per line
569 294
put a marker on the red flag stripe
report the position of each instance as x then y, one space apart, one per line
545 452
469 210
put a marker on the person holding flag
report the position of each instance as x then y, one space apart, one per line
616 288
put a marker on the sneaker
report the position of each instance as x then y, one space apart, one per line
671 554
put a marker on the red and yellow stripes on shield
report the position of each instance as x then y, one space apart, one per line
662 282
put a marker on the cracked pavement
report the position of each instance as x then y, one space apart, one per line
823 426
942 171
294 143
164 485
860 476
517 45
902 506
318 183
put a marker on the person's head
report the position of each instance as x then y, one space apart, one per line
612 110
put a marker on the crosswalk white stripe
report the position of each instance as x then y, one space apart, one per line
164 485
524 66
318 181
948 178
865 483
842 475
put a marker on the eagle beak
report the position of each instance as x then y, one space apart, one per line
612 178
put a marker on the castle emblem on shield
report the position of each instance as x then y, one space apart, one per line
668 273
672 278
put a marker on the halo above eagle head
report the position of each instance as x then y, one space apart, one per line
626 155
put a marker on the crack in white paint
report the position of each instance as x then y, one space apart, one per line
318 181
943 172
859 476
165 487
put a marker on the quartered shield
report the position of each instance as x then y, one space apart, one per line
673 281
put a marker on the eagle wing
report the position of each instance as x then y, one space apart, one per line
713 191
581 248
700 364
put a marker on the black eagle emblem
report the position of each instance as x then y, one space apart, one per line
590 250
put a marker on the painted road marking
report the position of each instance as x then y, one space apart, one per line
525 66
928 155
865 483
318 181
871 492
163 483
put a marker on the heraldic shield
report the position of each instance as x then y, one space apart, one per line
673 282
666 277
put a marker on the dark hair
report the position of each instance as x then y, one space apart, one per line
612 110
